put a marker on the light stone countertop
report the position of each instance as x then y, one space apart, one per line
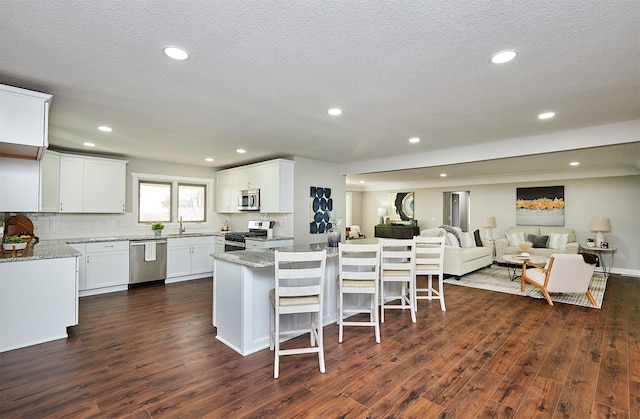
268 239
137 237
263 258
41 251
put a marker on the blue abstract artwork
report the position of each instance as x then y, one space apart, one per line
320 207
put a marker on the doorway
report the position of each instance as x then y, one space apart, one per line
455 209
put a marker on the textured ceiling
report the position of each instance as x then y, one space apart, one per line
262 74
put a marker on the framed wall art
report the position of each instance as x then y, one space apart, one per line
320 207
540 206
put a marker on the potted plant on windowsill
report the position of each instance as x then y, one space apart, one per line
157 228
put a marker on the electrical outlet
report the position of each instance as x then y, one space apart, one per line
52 224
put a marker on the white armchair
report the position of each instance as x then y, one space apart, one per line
564 273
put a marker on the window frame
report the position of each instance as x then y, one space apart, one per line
175 181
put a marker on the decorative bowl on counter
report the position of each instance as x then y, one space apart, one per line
10 246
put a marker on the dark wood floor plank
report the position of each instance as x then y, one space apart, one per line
151 352
541 400
613 376
513 388
473 396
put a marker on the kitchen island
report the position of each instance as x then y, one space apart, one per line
241 307
38 295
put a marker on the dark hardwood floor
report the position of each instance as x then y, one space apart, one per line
152 352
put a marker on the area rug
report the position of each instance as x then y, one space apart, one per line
496 278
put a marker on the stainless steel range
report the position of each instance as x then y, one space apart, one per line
236 240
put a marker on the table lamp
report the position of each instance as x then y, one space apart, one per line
489 223
600 226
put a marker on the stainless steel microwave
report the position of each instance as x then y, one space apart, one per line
249 200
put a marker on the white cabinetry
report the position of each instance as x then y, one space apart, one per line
226 192
24 121
50 181
189 258
84 184
38 301
274 178
107 265
219 244
276 192
82 261
19 185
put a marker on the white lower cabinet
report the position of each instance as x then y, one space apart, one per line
219 240
106 265
38 301
189 258
82 261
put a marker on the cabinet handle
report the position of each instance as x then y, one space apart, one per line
110 245
87 258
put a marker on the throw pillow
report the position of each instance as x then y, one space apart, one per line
476 236
451 230
558 241
452 240
515 238
539 242
467 240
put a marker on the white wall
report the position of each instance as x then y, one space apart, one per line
309 173
617 198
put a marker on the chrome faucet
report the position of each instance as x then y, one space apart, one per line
181 226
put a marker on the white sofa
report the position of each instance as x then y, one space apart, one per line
504 248
459 260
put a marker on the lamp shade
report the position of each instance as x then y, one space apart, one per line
382 212
601 224
489 222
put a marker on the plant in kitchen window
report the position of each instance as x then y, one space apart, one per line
157 228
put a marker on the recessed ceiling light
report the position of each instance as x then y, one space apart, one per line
546 115
88 144
176 53
209 159
574 163
414 140
104 128
334 111
503 56
362 181
241 150
443 175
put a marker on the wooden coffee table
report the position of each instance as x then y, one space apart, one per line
515 261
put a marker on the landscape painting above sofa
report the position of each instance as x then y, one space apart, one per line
540 206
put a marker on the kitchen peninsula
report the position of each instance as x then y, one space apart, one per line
38 295
241 287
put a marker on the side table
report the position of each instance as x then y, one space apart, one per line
600 252
515 261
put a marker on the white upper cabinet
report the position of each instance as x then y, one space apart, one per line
226 192
84 184
19 185
24 121
276 193
105 185
274 178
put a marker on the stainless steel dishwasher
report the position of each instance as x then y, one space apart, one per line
147 261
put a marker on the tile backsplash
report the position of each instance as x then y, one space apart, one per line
54 226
